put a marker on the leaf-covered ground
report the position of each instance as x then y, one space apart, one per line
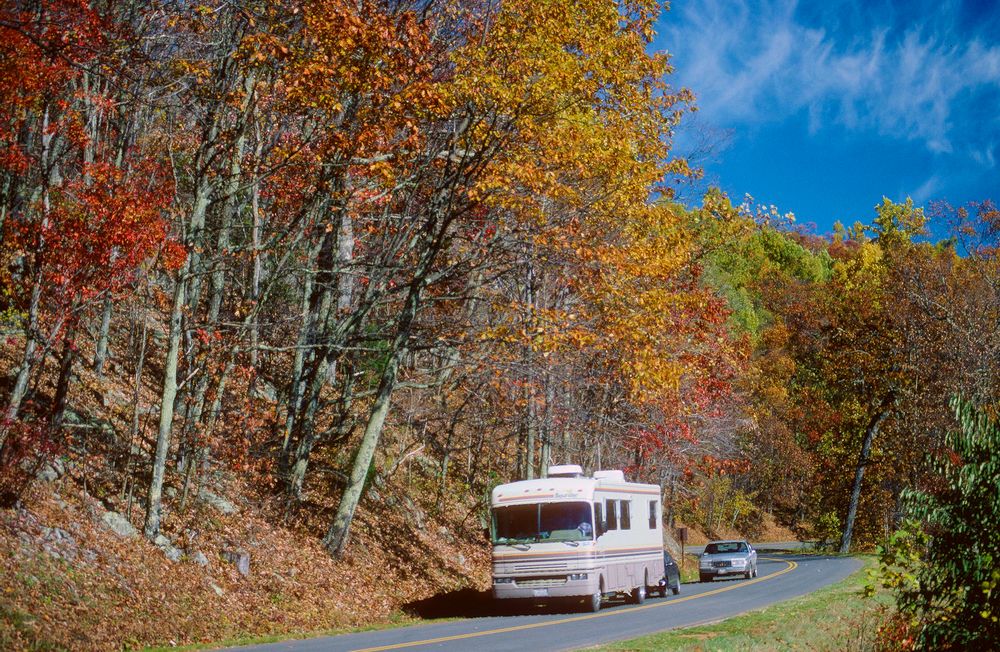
68 582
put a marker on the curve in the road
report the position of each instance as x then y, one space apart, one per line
791 565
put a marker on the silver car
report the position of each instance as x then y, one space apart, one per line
723 558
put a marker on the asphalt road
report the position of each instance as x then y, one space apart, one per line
781 576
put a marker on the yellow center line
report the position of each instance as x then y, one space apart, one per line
618 612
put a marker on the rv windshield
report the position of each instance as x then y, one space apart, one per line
543 522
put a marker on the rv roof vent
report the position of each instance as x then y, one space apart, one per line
613 475
566 471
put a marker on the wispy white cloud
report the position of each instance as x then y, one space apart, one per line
760 63
928 190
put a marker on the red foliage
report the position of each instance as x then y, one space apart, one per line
96 235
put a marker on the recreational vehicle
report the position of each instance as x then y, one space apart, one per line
568 536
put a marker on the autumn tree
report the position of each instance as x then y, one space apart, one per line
83 209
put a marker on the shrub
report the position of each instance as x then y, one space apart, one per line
947 577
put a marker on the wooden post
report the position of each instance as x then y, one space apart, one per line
682 535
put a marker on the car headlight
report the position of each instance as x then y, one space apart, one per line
503 580
739 562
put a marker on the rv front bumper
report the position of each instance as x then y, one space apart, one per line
573 585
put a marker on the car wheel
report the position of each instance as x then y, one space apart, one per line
674 589
705 578
755 571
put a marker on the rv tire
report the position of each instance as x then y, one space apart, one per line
639 594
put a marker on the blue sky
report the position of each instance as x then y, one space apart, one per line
821 108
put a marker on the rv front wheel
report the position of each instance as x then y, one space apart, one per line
639 594
595 599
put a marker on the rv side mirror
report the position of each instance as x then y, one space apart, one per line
602 527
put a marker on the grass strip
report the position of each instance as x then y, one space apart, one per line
836 617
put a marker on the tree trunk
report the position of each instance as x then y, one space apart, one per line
66 361
336 537
133 437
531 423
31 330
101 355
547 426
154 496
295 386
859 474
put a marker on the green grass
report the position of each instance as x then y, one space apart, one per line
833 618
689 570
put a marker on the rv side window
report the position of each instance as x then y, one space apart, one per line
653 505
626 519
599 523
612 514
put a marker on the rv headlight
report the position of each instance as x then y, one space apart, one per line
503 580
577 576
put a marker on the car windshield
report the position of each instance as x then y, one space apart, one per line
570 521
725 547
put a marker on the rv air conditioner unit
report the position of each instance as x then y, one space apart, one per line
566 471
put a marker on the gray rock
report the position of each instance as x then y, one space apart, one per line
216 501
112 397
414 514
55 534
240 558
118 524
59 543
72 417
199 558
167 546
265 390
218 589
52 470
